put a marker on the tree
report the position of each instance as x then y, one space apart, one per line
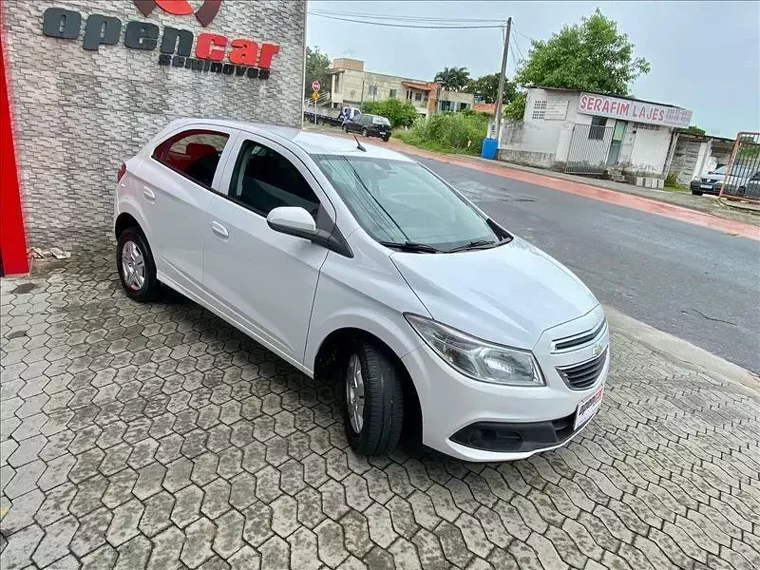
400 114
592 56
694 130
515 109
487 88
453 78
317 67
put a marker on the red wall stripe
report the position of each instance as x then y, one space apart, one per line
12 234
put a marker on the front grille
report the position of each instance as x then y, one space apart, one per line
583 375
580 339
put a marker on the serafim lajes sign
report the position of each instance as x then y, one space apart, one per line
632 110
244 57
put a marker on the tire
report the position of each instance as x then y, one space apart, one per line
133 253
365 133
382 400
696 192
386 139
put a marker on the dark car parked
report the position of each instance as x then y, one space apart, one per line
369 126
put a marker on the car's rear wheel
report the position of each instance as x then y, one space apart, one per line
136 267
373 400
365 133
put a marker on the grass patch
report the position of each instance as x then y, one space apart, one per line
448 132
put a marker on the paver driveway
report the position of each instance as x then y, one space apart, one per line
156 436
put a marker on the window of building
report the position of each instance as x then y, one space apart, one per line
462 106
337 83
598 127
392 94
408 95
539 110
646 127
372 90
445 105
264 179
418 96
194 154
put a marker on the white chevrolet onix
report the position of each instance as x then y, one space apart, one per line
355 263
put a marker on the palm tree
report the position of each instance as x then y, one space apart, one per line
453 78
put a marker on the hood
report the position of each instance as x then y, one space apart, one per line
507 295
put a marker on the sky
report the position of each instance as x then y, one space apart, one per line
704 55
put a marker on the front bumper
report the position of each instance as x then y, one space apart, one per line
452 403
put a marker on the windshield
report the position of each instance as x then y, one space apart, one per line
721 170
380 121
401 202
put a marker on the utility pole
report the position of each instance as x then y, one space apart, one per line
502 78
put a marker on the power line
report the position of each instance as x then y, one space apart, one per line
391 25
403 17
526 37
516 47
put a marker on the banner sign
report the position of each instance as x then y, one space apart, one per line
632 110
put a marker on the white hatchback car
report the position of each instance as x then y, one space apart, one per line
359 264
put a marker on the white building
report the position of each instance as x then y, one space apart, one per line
589 133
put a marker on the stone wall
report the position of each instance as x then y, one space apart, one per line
78 114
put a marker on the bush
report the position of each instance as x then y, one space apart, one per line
448 132
400 114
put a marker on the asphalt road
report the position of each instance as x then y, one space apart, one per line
699 284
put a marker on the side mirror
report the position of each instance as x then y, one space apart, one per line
292 220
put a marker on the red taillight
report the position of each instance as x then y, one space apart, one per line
122 172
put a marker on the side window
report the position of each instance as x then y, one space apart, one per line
264 179
193 153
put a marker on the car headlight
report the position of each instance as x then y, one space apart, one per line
477 358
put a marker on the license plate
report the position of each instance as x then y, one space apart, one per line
706 186
588 407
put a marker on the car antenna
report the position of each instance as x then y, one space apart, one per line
359 145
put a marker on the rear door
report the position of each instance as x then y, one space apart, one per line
262 280
178 181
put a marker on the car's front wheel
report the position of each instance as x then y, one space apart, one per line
696 192
365 133
373 400
136 267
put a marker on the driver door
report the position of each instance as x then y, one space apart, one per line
262 280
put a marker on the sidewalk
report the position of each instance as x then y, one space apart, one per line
153 436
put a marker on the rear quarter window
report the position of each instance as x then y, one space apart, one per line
194 154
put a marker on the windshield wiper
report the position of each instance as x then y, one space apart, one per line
475 244
411 246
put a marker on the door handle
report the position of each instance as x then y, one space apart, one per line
149 194
219 230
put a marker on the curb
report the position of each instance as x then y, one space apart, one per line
683 352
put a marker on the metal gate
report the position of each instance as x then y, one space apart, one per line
742 180
589 147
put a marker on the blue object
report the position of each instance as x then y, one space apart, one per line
489 149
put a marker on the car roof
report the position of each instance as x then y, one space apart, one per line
311 142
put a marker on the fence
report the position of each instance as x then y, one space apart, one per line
742 180
589 148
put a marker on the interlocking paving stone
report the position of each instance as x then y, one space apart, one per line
155 436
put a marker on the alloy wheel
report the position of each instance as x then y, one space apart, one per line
355 393
133 266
